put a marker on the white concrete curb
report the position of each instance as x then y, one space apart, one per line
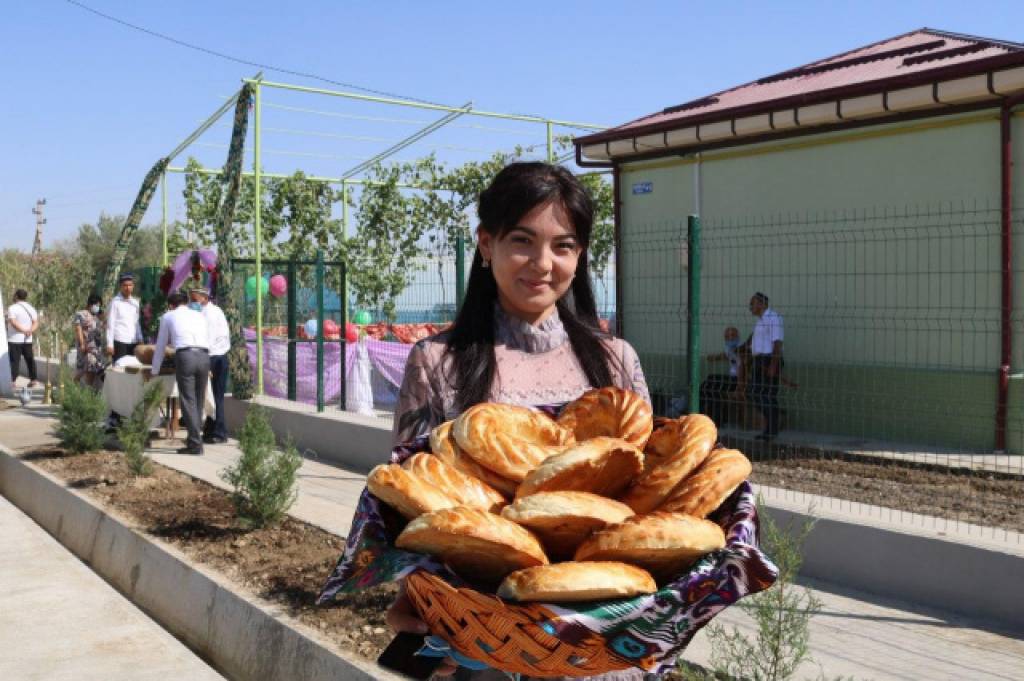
241 638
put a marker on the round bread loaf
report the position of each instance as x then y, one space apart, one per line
600 465
405 492
611 412
144 353
711 484
478 545
562 520
508 439
577 582
665 544
677 449
444 446
464 489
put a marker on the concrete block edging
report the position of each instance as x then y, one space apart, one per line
957 574
239 637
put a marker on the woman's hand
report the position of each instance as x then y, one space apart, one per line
401 616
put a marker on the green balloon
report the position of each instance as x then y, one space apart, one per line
250 287
362 318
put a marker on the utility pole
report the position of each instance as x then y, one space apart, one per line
40 221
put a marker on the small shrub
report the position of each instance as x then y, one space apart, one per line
781 616
264 478
81 418
134 431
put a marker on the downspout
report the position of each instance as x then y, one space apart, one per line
1006 308
617 221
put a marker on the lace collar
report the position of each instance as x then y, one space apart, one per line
519 335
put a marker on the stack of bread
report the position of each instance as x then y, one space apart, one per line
597 504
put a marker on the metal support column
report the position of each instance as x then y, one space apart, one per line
693 312
292 335
319 330
258 236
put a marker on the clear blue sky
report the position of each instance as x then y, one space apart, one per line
88 104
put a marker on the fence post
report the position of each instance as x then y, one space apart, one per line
292 347
693 312
258 236
343 340
460 271
319 330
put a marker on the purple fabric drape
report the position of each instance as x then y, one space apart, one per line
388 359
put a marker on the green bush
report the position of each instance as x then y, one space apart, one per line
81 418
781 617
134 431
264 478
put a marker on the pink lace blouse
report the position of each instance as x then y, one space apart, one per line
536 366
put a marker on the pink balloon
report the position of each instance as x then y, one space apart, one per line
278 285
351 333
331 327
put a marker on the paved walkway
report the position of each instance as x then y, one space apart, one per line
59 620
854 636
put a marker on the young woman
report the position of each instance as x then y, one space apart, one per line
89 341
527 332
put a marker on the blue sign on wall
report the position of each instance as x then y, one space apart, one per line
643 187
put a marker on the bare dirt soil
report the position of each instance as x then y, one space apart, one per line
286 564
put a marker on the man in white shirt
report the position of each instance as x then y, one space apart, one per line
184 329
765 345
22 322
215 430
124 331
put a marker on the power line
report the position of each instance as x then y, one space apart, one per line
246 62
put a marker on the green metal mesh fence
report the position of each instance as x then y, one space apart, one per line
892 350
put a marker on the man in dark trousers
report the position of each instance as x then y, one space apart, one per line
765 345
124 331
184 329
215 430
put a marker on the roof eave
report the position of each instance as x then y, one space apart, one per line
960 70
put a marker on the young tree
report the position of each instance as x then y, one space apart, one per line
264 478
382 256
80 418
133 433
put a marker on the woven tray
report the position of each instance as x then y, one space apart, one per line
543 640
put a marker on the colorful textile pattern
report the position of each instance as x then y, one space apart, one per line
131 224
650 631
238 360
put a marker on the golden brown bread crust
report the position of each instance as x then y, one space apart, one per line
600 465
478 545
403 491
677 449
711 484
464 489
442 443
665 544
508 439
611 412
562 520
567 582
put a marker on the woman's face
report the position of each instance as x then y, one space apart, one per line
534 262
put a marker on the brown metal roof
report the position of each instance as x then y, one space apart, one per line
918 56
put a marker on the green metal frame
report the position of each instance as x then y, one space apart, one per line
258 83
319 264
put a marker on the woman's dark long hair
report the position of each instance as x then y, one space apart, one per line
513 193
